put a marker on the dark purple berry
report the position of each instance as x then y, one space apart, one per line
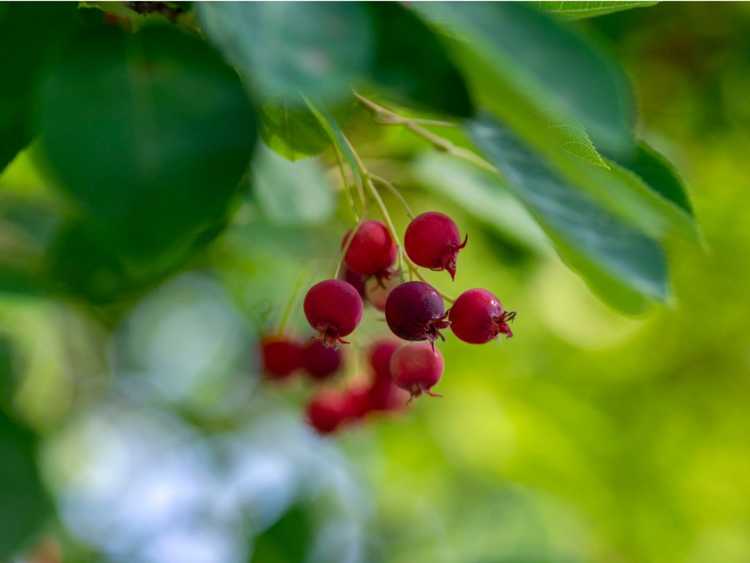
415 311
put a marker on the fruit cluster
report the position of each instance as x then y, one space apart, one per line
414 311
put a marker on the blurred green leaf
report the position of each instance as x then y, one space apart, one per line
24 505
291 131
413 66
574 10
291 193
21 59
527 52
288 541
284 49
619 262
149 134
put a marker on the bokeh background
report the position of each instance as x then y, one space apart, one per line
588 437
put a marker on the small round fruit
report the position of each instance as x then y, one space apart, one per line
281 356
417 367
326 412
377 289
382 393
477 317
372 251
356 280
415 311
432 241
334 309
320 361
356 403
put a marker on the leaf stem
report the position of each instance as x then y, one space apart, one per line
395 192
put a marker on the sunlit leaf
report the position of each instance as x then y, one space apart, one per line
574 10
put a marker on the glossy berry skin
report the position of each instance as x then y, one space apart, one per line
477 317
372 251
415 311
417 367
281 356
326 412
333 308
432 241
320 361
357 281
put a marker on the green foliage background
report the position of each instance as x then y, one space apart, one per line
142 251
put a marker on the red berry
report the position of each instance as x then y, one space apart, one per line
417 368
415 311
357 281
432 241
325 411
281 356
477 317
383 394
356 403
372 251
377 290
319 360
334 308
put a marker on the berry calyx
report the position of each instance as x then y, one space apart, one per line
371 251
281 356
320 361
432 241
325 411
477 317
415 311
334 309
416 368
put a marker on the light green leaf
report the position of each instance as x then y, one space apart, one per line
575 10
284 49
291 193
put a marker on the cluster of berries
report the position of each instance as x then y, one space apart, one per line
414 312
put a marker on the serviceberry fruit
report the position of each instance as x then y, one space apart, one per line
477 317
372 250
325 411
281 356
333 308
383 394
415 311
357 281
417 367
356 403
432 241
320 361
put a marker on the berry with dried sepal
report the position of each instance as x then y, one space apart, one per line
415 311
334 309
477 317
432 241
372 250
281 356
320 361
417 367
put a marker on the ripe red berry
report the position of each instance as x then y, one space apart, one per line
356 280
356 403
377 289
477 317
334 308
417 367
325 411
432 241
320 361
372 251
415 311
281 356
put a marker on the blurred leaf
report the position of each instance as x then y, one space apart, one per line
288 541
21 60
292 193
24 505
7 372
616 260
412 65
292 132
529 53
285 49
149 133
574 10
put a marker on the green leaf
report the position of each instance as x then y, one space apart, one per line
533 56
24 504
289 540
574 10
21 60
291 193
149 134
620 263
284 49
293 132
413 66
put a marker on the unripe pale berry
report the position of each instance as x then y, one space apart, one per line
281 356
372 250
320 361
333 308
417 367
432 241
477 317
326 412
415 311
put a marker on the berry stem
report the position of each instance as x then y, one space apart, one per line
414 270
345 249
395 192
290 304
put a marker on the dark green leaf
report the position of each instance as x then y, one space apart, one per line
619 262
413 66
284 49
575 10
149 134
24 504
292 131
288 540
